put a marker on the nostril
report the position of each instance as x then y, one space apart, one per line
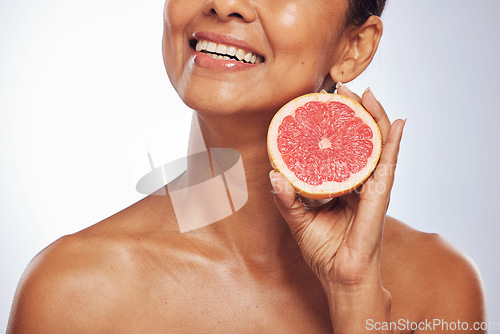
236 15
230 9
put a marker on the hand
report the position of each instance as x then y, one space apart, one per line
341 241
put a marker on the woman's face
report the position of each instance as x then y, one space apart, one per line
289 45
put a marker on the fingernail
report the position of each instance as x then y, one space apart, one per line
403 126
274 181
338 85
369 91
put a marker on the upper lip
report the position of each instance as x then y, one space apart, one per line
227 40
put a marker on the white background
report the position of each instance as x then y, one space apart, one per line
82 82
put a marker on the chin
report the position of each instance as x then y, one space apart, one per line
222 101
227 98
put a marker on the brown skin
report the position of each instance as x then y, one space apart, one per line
132 273
272 266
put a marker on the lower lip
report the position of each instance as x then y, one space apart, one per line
204 60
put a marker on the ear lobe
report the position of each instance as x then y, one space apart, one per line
360 47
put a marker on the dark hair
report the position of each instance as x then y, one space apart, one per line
361 10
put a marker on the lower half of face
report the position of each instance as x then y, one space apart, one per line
224 63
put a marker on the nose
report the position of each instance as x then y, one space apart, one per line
226 10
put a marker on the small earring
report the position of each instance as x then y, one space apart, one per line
336 87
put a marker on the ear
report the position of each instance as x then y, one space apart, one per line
357 49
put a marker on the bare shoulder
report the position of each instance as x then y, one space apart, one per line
70 284
62 277
430 276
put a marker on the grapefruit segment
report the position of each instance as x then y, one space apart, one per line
324 144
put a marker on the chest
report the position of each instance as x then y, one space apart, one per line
208 299
208 305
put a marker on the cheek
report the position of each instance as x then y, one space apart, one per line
289 18
302 32
299 42
176 15
168 51
174 20
177 12
291 28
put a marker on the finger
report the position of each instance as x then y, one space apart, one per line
366 232
375 192
373 106
314 203
388 159
343 90
291 208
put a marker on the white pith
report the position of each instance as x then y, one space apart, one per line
327 189
226 52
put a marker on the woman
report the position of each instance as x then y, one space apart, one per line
273 265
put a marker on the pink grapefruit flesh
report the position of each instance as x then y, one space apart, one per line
324 144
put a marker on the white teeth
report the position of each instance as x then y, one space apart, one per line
240 54
222 51
248 57
221 48
231 50
211 47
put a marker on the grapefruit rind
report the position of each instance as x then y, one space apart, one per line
326 189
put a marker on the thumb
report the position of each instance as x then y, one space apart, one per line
289 204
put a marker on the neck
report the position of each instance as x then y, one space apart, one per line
256 230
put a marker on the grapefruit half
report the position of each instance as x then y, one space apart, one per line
324 144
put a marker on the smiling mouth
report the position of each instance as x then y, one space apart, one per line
226 52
